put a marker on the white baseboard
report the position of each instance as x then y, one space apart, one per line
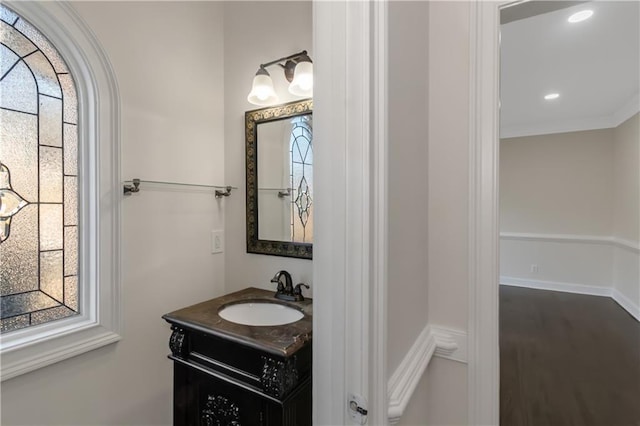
433 340
556 286
626 303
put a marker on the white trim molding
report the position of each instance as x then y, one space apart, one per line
432 341
625 303
625 112
633 246
450 344
100 194
349 329
483 372
590 290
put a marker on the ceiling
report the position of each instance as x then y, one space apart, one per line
594 66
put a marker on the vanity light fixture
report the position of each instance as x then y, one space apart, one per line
298 70
580 16
552 96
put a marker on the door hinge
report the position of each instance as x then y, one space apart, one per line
358 409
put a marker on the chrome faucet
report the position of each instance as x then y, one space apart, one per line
286 291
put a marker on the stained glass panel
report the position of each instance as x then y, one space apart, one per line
70 146
50 226
50 175
43 44
301 152
7 15
14 323
19 253
22 153
50 115
71 292
44 74
70 250
70 100
17 304
38 179
15 40
51 314
51 280
70 200
18 89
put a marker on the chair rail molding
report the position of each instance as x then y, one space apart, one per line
633 246
432 341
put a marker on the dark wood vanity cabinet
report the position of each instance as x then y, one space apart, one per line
226 374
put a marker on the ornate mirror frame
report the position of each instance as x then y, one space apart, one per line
252 119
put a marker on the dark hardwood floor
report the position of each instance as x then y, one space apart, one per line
567 359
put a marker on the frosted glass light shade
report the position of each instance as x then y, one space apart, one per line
302 84
262 92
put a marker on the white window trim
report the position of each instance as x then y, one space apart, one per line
99 322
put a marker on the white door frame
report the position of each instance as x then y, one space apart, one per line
483 333
349 267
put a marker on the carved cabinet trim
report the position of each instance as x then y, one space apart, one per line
279 376
177 341
220 411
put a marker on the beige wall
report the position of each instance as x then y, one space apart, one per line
428 192
407 160
578 183
447 223
626 214
167 57
557 184
255 33
407 182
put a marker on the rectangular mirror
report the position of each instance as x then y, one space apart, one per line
279 148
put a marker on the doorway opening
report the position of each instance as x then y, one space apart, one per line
569 208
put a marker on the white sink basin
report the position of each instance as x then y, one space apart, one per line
257 313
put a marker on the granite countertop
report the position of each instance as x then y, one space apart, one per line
283 340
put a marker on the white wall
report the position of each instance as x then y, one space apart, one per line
168 60
256 32
578 265
448 200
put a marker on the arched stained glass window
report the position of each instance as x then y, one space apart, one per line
38 179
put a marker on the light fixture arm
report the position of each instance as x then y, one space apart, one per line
284 59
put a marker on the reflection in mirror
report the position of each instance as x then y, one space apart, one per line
285 180
279 143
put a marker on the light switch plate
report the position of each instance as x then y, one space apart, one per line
217 241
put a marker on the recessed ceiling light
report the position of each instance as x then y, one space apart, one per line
580 16
551 96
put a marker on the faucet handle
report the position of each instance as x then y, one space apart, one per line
297 291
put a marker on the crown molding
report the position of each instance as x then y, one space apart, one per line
626 111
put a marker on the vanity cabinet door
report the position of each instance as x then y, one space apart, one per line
205 400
